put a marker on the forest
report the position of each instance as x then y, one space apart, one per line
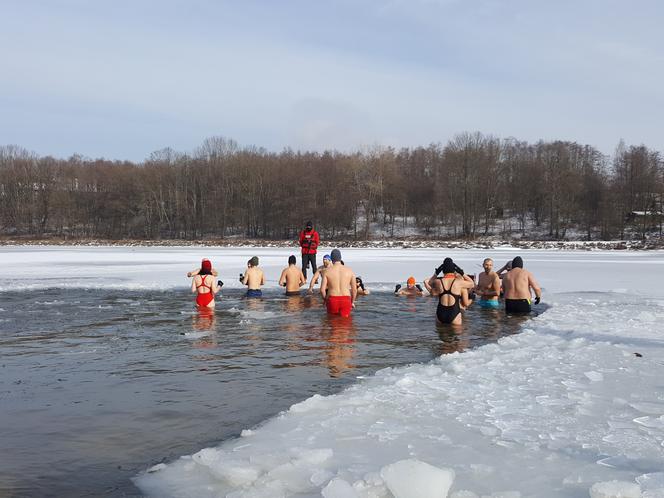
473 186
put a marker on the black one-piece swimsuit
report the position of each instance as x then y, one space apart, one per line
447 314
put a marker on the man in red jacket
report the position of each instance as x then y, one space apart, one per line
309 241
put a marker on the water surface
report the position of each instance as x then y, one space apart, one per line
98 385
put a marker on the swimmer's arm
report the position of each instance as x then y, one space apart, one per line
532 283
467 283
323 287
427 286
245 279
193 284
215 287
197 271
302 279
353 288
282 278
262 277
503 269
465 300
314 279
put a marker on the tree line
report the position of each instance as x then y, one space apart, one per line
474 185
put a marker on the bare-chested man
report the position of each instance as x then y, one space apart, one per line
292 278
488 286
452 288
253 278
327 262
338 287
517 285
412 288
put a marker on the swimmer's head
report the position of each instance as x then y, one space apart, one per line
410 282
448 266
206 267
292 260
335 255
327 260
487 265
517 262
253 261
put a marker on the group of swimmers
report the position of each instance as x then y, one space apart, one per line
456 291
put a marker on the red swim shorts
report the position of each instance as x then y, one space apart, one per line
339 305
204 299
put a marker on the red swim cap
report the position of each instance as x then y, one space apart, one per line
206 264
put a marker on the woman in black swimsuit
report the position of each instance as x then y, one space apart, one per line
453 288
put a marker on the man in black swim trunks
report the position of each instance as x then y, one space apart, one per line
292 278
517 285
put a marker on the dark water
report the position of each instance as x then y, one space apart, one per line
96 386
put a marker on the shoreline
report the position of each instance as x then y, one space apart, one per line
414 243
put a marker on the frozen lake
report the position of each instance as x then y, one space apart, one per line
107 370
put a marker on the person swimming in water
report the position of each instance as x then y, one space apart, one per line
338 288
292 278
361 289
412 288
452 288
488 286
253 278
517 285
327 262
204 285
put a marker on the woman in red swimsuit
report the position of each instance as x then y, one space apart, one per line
204 286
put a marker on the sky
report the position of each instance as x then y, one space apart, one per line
120 79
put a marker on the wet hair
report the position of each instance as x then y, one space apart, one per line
486 260
449 266
254 261
292 260
517 262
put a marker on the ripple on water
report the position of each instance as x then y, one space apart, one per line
125 355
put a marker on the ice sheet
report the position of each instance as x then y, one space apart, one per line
562 407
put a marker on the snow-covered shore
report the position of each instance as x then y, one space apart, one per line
382 243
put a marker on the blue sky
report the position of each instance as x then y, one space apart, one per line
120 79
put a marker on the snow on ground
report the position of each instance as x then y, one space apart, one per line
573 406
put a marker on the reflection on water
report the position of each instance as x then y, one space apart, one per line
340 335
98 385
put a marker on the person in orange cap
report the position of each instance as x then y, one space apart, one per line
412 288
